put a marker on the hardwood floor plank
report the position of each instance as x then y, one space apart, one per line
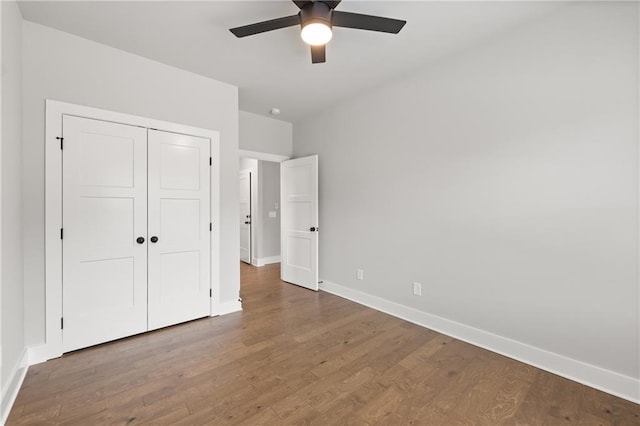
448 396
625 412
476 404
342 412
566 404
597 408
299 357
537 402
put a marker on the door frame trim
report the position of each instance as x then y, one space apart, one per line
264 156
54 110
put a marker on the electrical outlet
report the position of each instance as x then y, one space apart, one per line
417 289
360 274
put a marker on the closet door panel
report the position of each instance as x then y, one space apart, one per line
104 213
179 245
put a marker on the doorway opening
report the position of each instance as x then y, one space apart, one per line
259 217
283 217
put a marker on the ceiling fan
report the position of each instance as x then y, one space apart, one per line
316 19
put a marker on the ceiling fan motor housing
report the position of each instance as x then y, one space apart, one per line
316 11
317 19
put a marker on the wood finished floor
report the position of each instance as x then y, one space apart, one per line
298 357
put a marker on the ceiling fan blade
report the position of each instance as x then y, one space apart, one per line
301 3
318 54
261 27
332 4
366 22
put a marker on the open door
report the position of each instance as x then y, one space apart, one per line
299 225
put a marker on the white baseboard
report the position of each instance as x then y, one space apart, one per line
261 261
12 386
38 354
224 308
605 380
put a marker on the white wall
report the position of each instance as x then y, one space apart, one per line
12 312
265 191
250 164
269 195
264 134
67 68
1 118
504 179
271 136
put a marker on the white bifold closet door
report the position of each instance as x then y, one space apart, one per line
104 196
136 237
179 233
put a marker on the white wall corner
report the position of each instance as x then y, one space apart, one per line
599 378
12 385
38 354
224 308
261 261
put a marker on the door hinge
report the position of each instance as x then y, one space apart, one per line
210 293
210 226
61 233
61 323
61 139
210 161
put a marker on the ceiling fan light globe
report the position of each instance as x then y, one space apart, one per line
316 33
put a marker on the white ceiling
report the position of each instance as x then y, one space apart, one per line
274 69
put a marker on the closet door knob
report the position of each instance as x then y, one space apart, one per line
140 240
154 239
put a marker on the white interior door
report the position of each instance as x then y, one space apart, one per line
179 228
104 181
299 225
245 216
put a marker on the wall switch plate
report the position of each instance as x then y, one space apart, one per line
360 274
417 289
